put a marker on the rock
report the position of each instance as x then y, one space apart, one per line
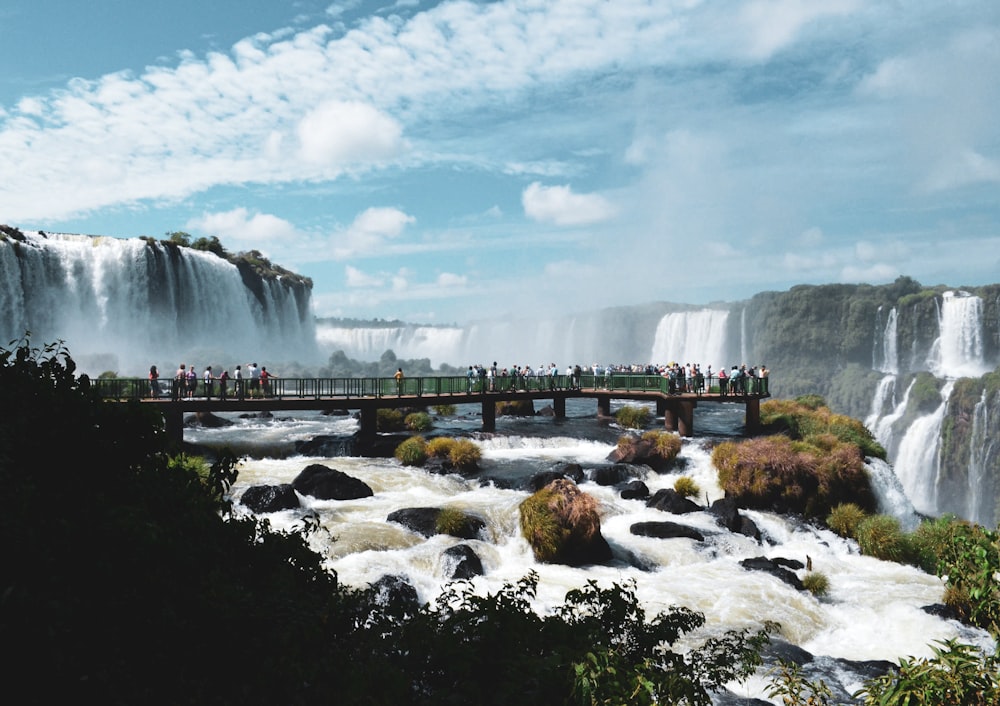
775 568
270 498
635 490
668 500
427 521
325 445
666 530
562 525
397 592
207 420
325 483
463 562
613 475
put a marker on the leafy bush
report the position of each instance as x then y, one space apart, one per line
452 521
387 419
632 417
686 487
807 417
816 582
957 675
970 560
445 410
880 536
418 421
412 452
844 519
666 444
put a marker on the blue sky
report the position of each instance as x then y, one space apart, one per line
455 161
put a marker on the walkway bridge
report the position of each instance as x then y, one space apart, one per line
367 395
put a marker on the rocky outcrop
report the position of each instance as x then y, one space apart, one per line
270 498
780 568
562 525
429 521
462 562
665 530
669 500
326 483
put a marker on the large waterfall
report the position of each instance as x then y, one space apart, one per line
125 304
958 351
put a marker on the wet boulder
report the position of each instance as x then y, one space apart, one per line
324 483
462 562
635 490
562 525
429 521
775 567
669 500
270 498
666 530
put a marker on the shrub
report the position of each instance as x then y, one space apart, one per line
418 421
971 561
880 536
632 417
445 410
412 452
957 674
440 446
388 419
686 487
452 521
465 455
816 583
667 444
844 519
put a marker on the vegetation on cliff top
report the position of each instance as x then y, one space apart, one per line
253 258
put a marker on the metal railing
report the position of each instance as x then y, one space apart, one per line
349 388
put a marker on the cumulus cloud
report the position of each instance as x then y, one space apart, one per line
354 277
449 279
370 230
559 205
240 229
346 132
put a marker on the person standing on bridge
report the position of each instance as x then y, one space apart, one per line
192 381
180 382
254 378
154 382
399 382
224 385
265 381
239 384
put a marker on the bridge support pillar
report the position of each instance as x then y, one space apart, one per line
559 407
604 405
173 422
753 416
489 415
369 422
685 418
661 407
669 418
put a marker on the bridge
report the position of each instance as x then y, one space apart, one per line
676 403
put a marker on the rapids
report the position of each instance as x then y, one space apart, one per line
873 611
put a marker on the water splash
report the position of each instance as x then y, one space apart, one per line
890 494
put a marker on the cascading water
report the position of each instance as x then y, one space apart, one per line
917 462
958 351
692 337
123 304
982 452
885 356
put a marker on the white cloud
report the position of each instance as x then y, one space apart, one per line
559 205
874 274
370 230
767 26
448 279
238 229
347 132
356 278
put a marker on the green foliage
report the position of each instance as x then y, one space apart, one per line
452 521
686 487
808 416
957 675
845 518
445 410
667 445
179 237
632 417
412 452
440 446
388 419
541 526
816 582
788 682
881 536
971 562
418 421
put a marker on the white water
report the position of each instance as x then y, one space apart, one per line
692 337
981 451
918 461
885 353
122 305
883 399
958 351
873 611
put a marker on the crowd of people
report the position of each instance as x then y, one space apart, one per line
252 382
682 378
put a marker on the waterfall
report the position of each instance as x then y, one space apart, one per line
918 462
744 355
891 496
958 350
124 304
692 337
883 427
438 344
884 399
885 357
981 450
